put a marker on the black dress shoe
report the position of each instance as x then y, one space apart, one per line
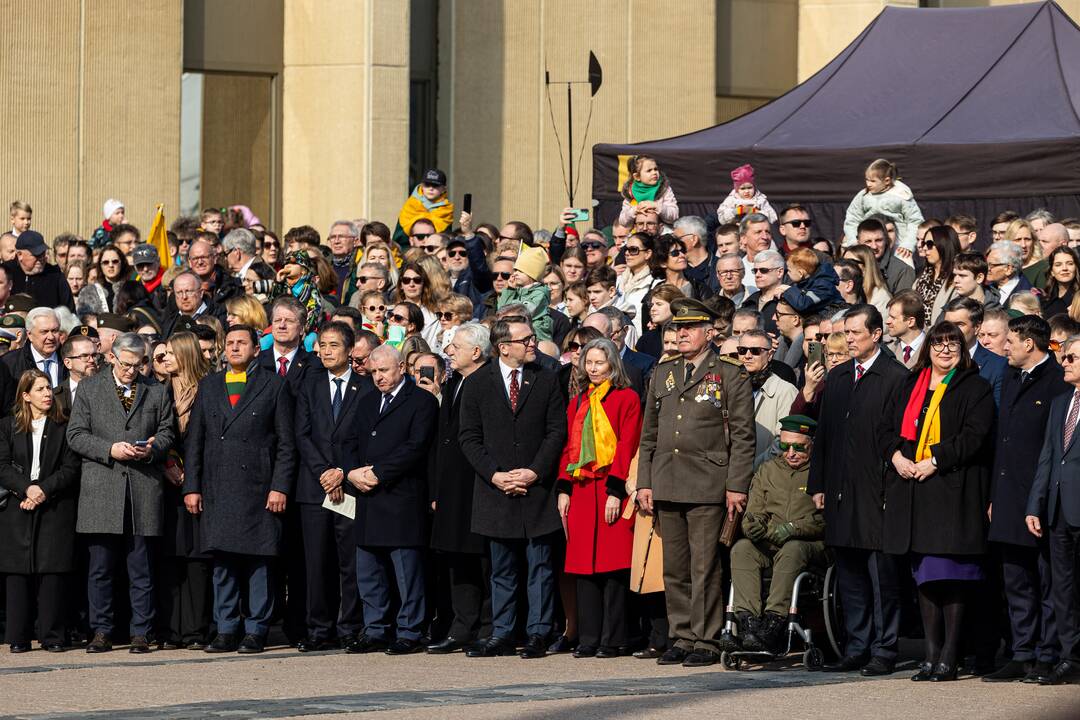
605 652
943 672
223 643
1010 672
561 645
849 663
310 645
53 647
1063 672
401 646
196 645
169 645
584 651
701 658
365 644
926 669
17 648
674 655
138 645
1038 672
649 653
534 648
251 645
877 667
446 646
493 647
729 642
99 644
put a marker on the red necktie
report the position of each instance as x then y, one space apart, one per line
859 370
907 353
283 366
514 390
1070 422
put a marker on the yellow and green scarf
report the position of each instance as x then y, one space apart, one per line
930 433
592 439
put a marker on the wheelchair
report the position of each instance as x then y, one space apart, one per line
815 612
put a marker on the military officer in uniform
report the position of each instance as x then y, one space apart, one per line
783 530
694 470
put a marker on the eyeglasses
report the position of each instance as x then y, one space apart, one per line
446 315
85 357
633 250
526 341
820 336
394 317
358 361
130 367
198 258
755 351
432 249
836 355
945 346
779 314
797 447
762 271
185 292
456 253
366 278
573 346
926 244
338 236
591 246
375 308
1069 358
676 252
412 280
502 275
730 273
422 236
798 223
160 358
110 262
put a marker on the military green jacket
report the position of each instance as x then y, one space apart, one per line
697 438
778 495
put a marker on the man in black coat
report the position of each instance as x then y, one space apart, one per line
41 352
1034 380
847 480
326 419
450 483
387 469
513 427
30 273
239 473
1053 511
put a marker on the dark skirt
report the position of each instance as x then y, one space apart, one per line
929 568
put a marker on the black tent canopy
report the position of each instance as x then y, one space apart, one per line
979 108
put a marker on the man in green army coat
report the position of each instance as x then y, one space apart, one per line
695 465
784 531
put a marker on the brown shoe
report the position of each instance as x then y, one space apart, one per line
138 645
99 644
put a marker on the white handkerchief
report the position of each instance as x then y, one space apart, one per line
346 507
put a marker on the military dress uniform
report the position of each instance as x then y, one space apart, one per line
697 443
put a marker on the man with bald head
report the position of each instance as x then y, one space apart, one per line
1052 237
217 283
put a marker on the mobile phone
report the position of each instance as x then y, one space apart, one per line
815 353
141 443
580 215
427 372
466 203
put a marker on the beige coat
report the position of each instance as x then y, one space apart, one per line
647 563
772 403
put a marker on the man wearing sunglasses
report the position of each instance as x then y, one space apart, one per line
461 276
794 227
782 530
695 464
772 395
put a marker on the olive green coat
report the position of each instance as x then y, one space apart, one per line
778 495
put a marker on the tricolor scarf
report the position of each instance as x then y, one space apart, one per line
235 382
440 211
592 439
930 432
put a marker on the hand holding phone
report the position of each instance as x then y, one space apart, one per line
141 443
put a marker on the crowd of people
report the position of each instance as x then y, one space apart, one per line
456 437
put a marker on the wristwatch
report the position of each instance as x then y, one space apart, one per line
933 461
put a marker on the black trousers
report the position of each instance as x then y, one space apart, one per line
470 595
1026 573
868 583
333 602
1064 548
185 599
651 612
290 578
601 607
45 593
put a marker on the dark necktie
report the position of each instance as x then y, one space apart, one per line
386 398
515 389
907 353
127 398
1070 422
859 370
47 368
335 404
283 366
689 373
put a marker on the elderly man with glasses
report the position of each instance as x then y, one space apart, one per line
772 395
767 271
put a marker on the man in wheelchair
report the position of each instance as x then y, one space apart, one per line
783 531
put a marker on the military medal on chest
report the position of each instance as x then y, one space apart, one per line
710 390
669 382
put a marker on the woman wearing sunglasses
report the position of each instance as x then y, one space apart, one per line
669 265
938 488
454 310
637 280
939 246
409 316
112 270
415 287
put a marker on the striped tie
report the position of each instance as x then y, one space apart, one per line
1070 422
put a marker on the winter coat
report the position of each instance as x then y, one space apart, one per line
665 202
734 208
897 203
778 495
813 294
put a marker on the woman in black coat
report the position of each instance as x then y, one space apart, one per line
39 475
938 488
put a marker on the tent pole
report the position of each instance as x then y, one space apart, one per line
570 141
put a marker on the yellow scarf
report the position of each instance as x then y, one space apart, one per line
417 207
592 439
930 433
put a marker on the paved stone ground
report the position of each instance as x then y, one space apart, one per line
283 683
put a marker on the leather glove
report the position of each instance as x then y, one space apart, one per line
756 531
780 534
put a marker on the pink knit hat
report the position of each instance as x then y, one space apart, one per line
742 174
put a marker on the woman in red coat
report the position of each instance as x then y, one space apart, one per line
604 421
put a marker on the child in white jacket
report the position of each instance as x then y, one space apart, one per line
744 198
885 195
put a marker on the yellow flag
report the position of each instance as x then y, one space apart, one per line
159 240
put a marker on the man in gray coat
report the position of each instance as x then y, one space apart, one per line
123 428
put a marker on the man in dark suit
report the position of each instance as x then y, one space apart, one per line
847 481
967 314
1005 260
287 357
450 483
80 360
513 427
1053 510
388 461
40 352
239 475
1034 380
326 419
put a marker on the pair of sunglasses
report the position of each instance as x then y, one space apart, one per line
797 447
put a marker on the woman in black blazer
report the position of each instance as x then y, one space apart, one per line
938 488
39 476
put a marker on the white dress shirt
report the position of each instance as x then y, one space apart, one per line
38 429
54 369
289 357
505 371
344 377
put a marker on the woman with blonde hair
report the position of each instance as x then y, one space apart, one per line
1034 266
184 603
377 251
416 287
874 287
246 310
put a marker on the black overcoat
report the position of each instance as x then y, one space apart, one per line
946 513
41 540
450 480
496 439
846 464
236 456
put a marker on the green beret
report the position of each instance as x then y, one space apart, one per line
799 424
